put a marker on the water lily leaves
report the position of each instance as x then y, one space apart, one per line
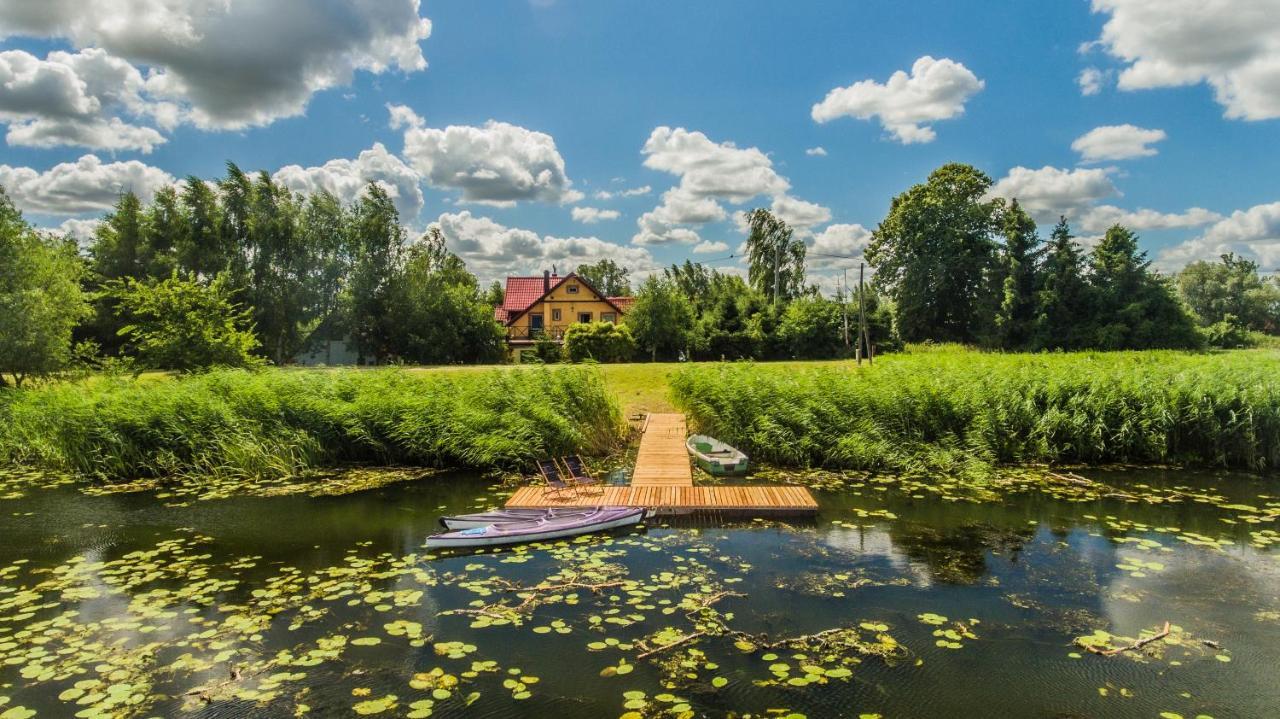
931 618
375 706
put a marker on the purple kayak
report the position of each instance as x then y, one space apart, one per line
597 519
506 516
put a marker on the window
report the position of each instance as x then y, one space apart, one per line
609 317
584 317
571 289
555 314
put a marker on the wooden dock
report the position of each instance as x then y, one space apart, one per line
663 480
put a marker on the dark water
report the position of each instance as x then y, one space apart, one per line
100 593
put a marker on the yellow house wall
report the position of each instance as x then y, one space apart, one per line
569 304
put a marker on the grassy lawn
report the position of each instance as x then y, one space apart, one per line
639 387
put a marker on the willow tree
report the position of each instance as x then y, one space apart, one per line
775 258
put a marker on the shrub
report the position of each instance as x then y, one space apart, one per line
599 341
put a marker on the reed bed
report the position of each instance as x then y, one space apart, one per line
275 423
963 413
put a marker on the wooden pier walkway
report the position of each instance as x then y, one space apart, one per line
663 480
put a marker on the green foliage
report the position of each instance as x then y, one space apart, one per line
40 297
1133 307
934 255
608 277
961 412
1230 292
599 341
436 312
661 319
775 259
1019 257
813 327
274 423
1062 298
184 324
546 350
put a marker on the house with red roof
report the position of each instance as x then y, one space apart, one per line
545 306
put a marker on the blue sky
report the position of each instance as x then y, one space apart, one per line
596 96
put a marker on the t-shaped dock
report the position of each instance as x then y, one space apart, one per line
662 480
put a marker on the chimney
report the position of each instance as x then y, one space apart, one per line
546 281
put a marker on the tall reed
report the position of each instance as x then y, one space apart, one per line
275 423
963 412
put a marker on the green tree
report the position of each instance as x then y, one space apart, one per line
203 249
813 328
495 295
599 341
934 252
661 318
378 241
437 311
325 233
693 279
166 225
184 324
1063 308
775 259
280 265
40 297
1230 291
1134 307
119 247
607 277
1020 278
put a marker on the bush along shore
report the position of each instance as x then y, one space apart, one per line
963 413
272 423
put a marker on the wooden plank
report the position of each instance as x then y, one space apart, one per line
663 479
764 499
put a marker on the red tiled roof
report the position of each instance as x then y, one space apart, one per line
522 292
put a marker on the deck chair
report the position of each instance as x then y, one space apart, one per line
578 473
555 480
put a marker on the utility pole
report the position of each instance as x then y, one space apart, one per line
863 340
844 304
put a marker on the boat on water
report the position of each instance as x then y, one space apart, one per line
506 516
716 457
546 527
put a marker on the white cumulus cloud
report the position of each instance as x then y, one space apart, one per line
346 179
497 164
492 250
906 104
1049 191
816 152
708 247
74 99
1253 233
86 185
592 215
1091 80
1098 219
631 192
230 64
838 246
1233 45
1117 142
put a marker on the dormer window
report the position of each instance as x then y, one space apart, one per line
571 289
